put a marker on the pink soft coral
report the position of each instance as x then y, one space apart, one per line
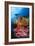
21 31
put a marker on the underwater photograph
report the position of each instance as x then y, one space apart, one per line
19 22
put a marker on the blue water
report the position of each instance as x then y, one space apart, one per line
18 11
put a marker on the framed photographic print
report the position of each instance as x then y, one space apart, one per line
19 22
